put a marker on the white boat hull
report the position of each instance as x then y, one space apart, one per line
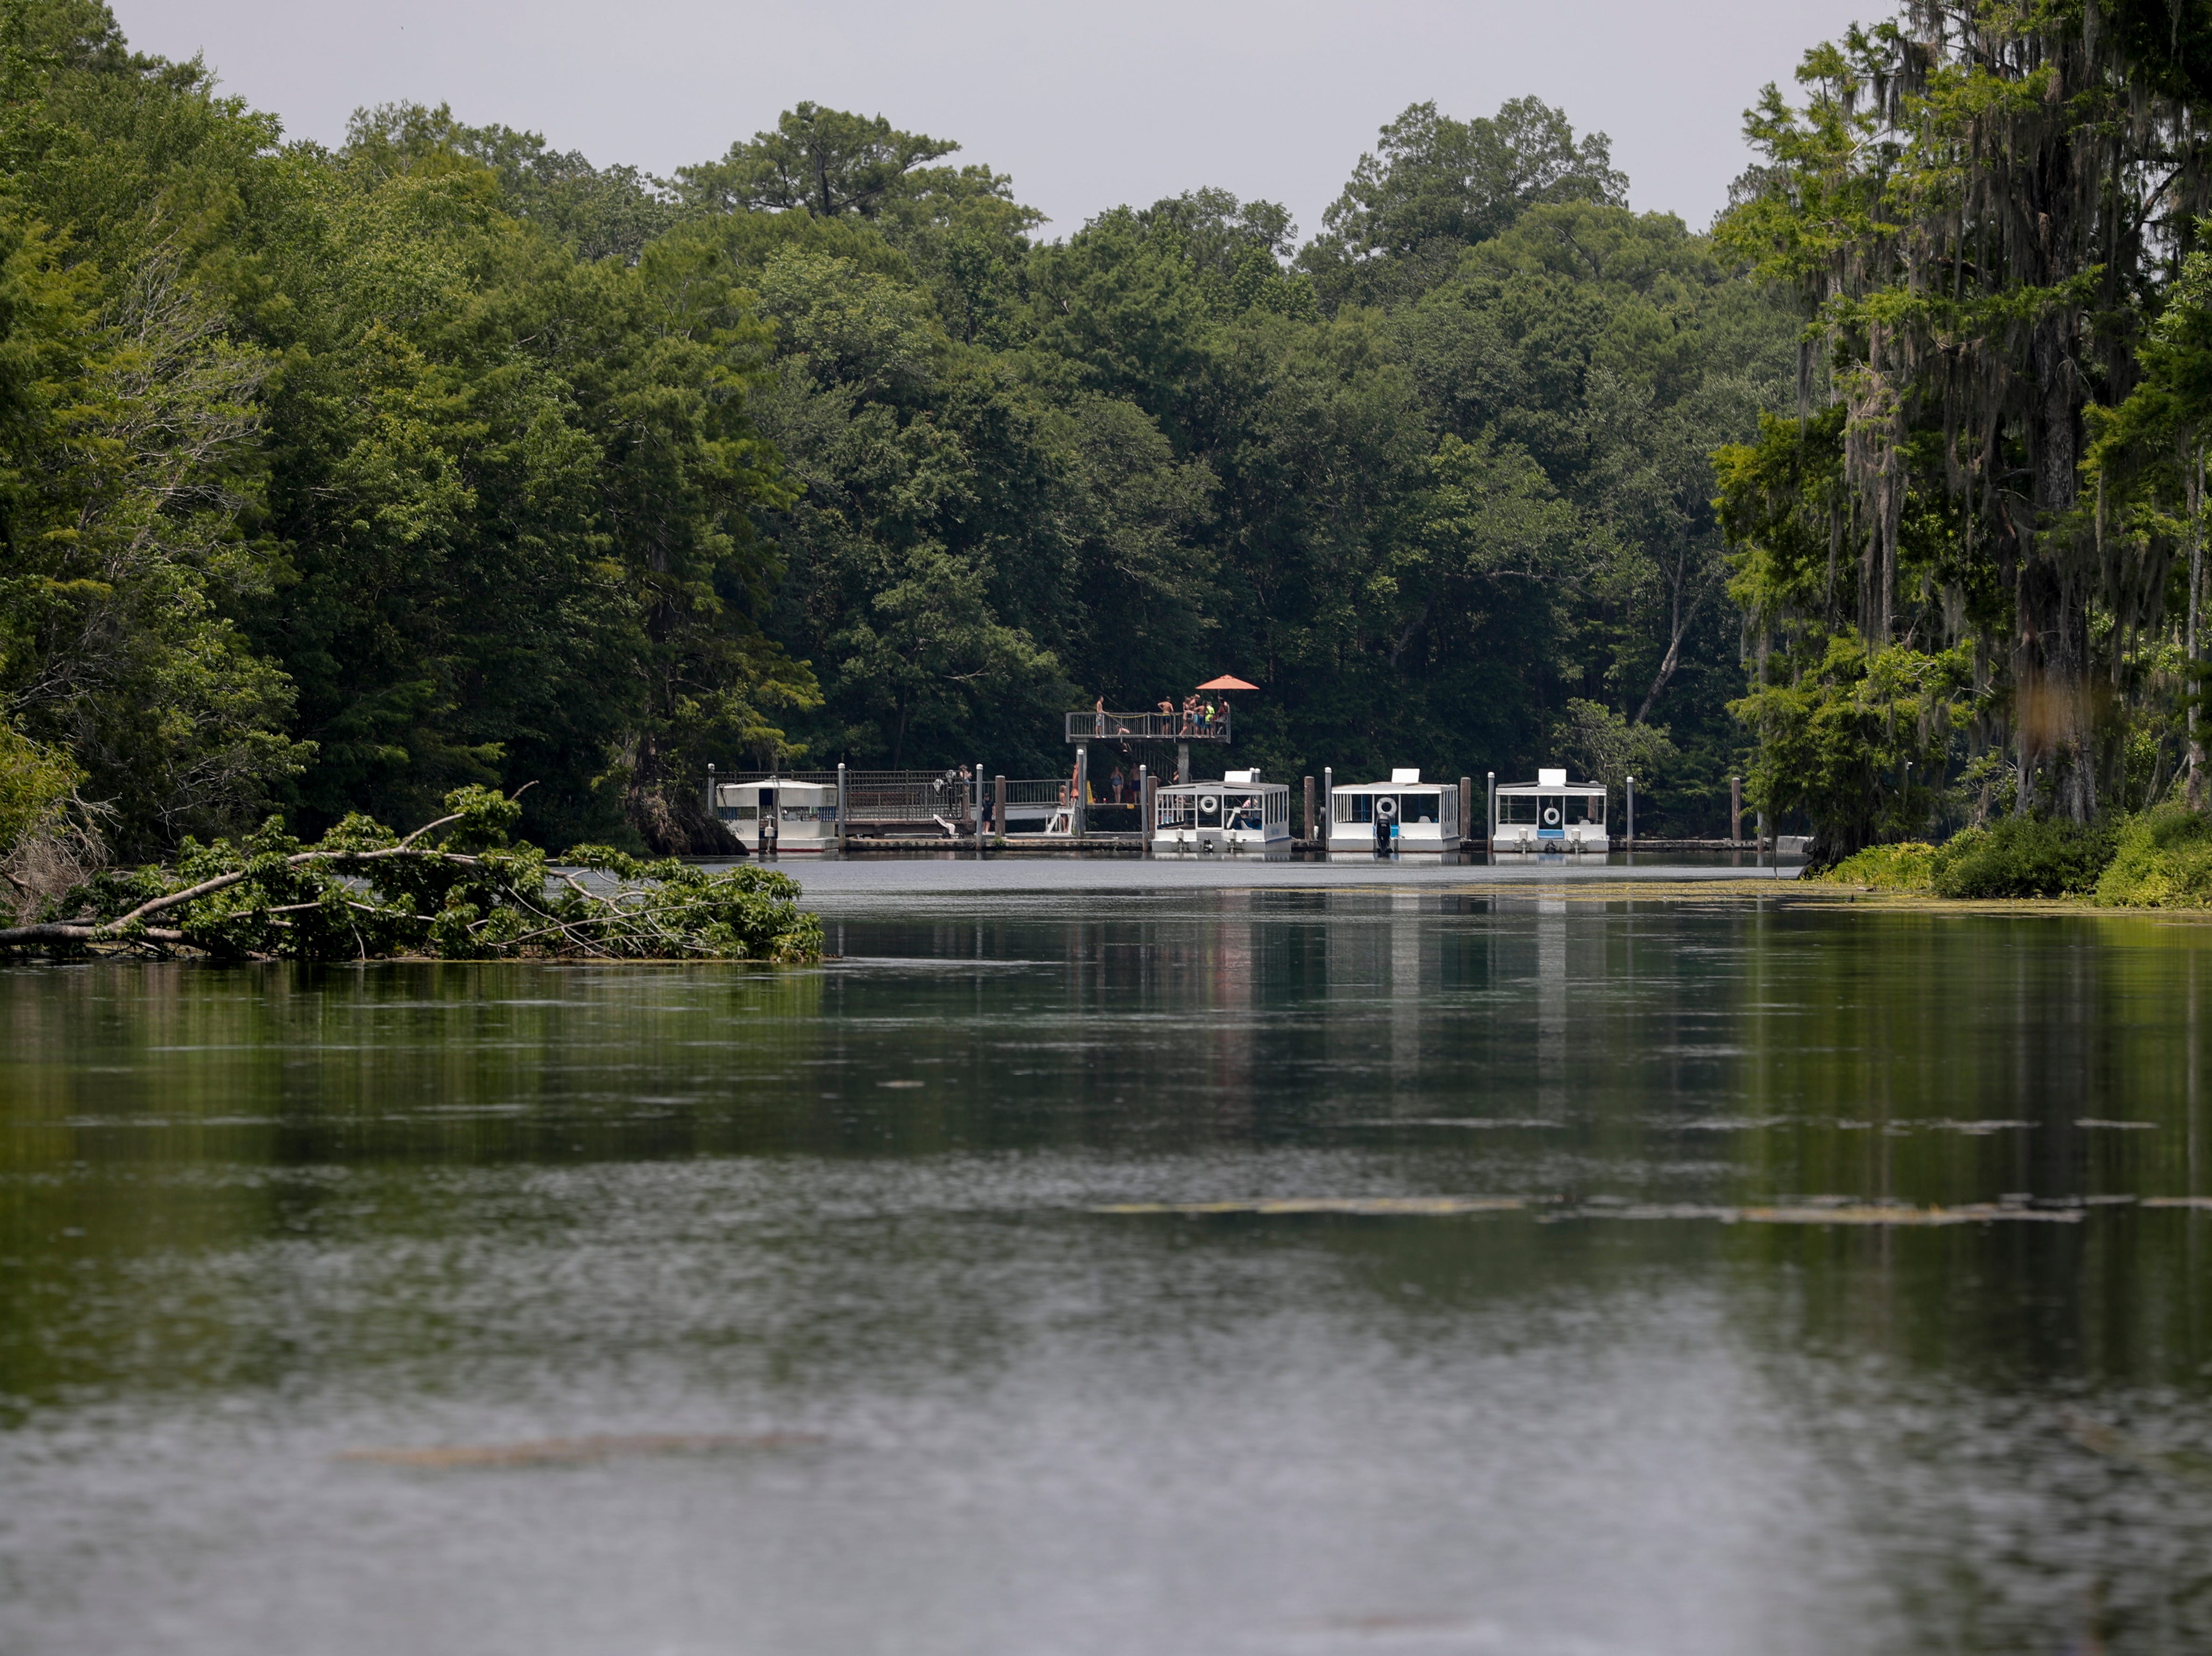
1200 841
790 842
1353 837
1580 838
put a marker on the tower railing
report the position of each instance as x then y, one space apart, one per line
1095 727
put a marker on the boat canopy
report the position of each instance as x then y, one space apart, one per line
788 793
1552 781
742 803
1235 782
1401 781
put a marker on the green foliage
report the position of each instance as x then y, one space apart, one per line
2163 859
599 213
2025 857
2157 860
1438 186
1856 741
33 782
338 479
460 889
817 160
1980 210
1611 750
1908 865
128 477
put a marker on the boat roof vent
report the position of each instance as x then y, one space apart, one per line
1547 779
1406 776
1240 776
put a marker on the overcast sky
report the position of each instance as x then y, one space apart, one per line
1087 105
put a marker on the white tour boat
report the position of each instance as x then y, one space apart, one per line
804 813
1238 813
1425 814
1550 814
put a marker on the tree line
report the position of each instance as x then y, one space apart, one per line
1971 557
336 478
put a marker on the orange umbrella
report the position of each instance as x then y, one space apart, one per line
1226 683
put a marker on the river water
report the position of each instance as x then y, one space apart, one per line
930 1301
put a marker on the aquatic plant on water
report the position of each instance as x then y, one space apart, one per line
456 888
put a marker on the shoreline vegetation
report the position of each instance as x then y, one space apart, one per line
459 888
2159 858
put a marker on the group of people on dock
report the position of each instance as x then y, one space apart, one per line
1200 716
1117 787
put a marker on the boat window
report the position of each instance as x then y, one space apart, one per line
1355 807
1585 807
1517 808
1421 807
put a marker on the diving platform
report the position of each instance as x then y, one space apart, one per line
1092 725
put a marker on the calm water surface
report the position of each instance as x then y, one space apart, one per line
839 1230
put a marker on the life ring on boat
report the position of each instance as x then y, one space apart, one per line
1209 803
1386 808
1551 817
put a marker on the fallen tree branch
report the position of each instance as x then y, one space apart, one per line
363 893
224 881
63 931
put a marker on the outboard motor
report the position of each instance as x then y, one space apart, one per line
1209 821
770 815
1386 815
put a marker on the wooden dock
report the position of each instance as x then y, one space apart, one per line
1130 845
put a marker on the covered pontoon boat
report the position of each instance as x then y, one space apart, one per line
805 813
1238 813
1427 814
1550 814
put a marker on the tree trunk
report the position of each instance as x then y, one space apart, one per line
2193 787
2051 660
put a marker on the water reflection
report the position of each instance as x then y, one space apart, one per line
839 1227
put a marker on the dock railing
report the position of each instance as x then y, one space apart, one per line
1095 727
1041 804
1033 804
888 796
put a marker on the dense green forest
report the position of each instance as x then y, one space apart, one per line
336 479
1972 556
